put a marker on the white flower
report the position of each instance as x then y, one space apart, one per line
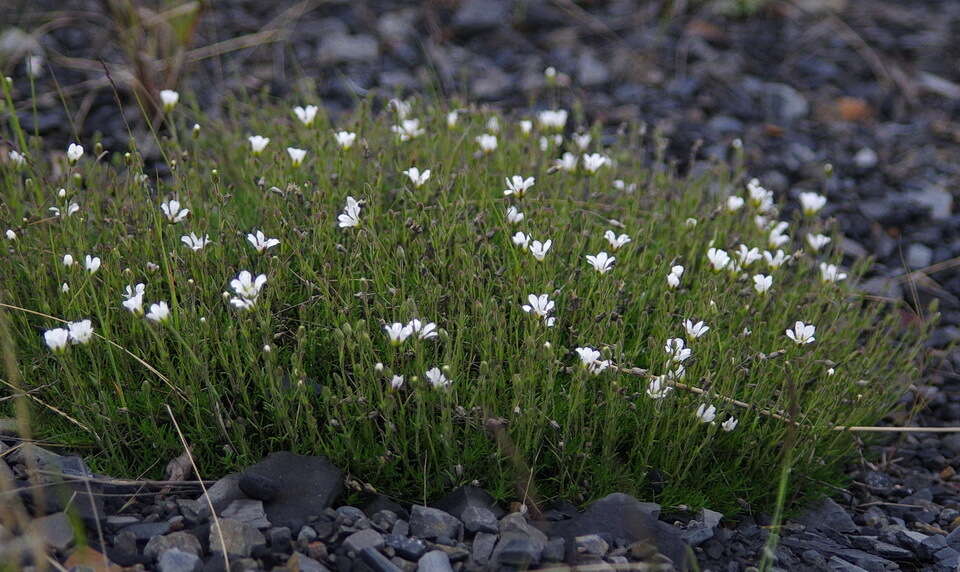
247 286
658 388
718 258
195 242
80 332
601 262
777 237
133 298
550 73
774 261
802 333
68 210
748 255
761 221
171 209
258 143
730 424
621 185
436 378
307 114
593 161
345 139
68 260
695 330
673 278
378 367
568 162
423 330
396 382
57 338
521 239
817 241
734 203
552 119
74 152
91 263
493 124
675 349
690 222
350 216
590 358
397 332
760 197
540 306
402 108
408 129
159 312
487 142
514 215
518 186
64 287
582 140
539 249
812 202
616 241
830 273
452 118
831 371
17 158
706 414
169 98
260 241
762 283
296 155
416 177
241 303
11 235
526 126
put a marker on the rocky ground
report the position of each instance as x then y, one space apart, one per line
857 100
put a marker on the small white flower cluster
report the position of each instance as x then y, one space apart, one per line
398 332
590 359
247 289
75 333
541 306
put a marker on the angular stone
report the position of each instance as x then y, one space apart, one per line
458 500
377 562
220 494
483 544
144 531
363 539
300 562
591 545
248 511
55 530
239 538
624 520
431 523
434 561
479 519
258 486
174 560
279 538
828 515
555 550
308 485
182 541
409 548
517 551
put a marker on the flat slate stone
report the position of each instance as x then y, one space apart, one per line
434 561
55 530
308 485
248 511
458 500
432 523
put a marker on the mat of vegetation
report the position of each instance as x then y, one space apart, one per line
433 296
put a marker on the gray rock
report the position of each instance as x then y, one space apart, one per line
308 485
784 103
837 564
174 560
248 511
624 520
919 255
709 518
377 562
479 519
363 539
239 538
55 530
303 563
258 486
947 557
490 82
306 535
827 515
555 550
409 548
434 561
458 500
118 521
876 546
482 548
591 71
346 49
696 534
279 538
182 541
480 15
431 523
865 158
938 200
591 545
517 551
220 495
931 545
